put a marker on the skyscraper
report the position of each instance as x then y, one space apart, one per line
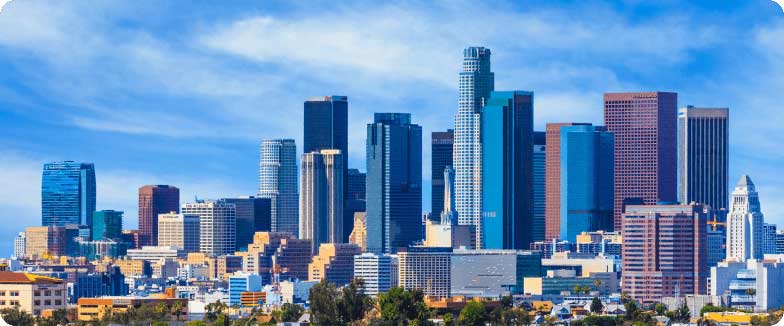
476 83
586 180
769 236
217 226
67 193
107 225
507 171
154 200
442 145
646 145
553 179
278 182
703 160
179 230
745 236
321 199
355 202
394 182
539 175
664 251
254 214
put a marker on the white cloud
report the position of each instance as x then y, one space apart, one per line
780 3
3 3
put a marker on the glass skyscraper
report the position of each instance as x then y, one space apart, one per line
507 170
442 146
321 198
107 225
539 177
586 180
278 182
394 182
253 215
476 83
355 202
67 193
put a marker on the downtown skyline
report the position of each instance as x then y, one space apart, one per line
231 165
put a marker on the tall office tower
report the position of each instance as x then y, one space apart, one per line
254 214
67 193
717 249
539 159
394 182
321 199
664 251
703 159
45 241
507 171
376 271
552 211
442 145
107 225
780 242
745 236
19 245
278 182
427 269
476 83
334 262
355 202
646 147
586 180
179 230
217 226
769 236
155 200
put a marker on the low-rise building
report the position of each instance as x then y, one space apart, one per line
32 293
492 273
427 269
91 309
153 253
334 262
753 285
376 271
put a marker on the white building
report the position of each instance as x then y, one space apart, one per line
217 226
427 269
756 285
321 198
296 291
745 237
278 182
379 272
19 245
155 253
179 230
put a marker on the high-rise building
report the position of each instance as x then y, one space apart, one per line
107 225
745 233
539 175
476 83
394 182
278 256
278 182
358 234
442 146
703 158
217 223
321 197
780 242
507 171
769 239
717 249
664 251
67 193
45 241
179 230
378 272
646 147
355 202
586 180
427 269
552 186
334 262
19 245
254 214
153 201
446 232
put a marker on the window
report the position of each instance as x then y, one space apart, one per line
58 302
36 293
2 302
47 293
15 302
14 294
36 302
58 292
47 302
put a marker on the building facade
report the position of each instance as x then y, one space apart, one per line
645 128
769 239
32 293
155 200
745 231
19 245
553 179
45 241
378 272
752 285
179 230
254 214
539 180
441 149
67 193
107 225
355 203
426 269
278 182
334 262
217 226
492 273
321 197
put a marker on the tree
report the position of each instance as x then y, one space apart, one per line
449 319
353 302
577 289
195 323
596 305
659 308
324 304
16 317
507 301
631 310
683 314
473 314
291 312
399 306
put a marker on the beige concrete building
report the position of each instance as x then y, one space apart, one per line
358 235
133 267
179 230
32 293
335 262
90 309
42 242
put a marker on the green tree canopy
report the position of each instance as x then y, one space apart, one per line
473 314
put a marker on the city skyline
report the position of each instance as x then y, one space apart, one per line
121 169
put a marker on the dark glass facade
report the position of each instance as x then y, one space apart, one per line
67 193
442 144
355 202
254 214
154 200
394 182
107 225
539 177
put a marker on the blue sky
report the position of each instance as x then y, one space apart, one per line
181 92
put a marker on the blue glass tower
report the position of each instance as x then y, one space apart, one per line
67 193
394 182
507 170
107 225
587 179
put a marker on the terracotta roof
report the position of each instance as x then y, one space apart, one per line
26 278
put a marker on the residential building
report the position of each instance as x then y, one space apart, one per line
441 149
378 272
321 197
769 239
278 182
553 179
19 245
355 202
426 268
179 230
32 293
752 285
664 251
107 225
217 226
254 214
645 128
586 180
67 193
492 273
93 309
745 231
240 282
539 181
358 234
45 241
394 182
153 201
507 171
334 262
